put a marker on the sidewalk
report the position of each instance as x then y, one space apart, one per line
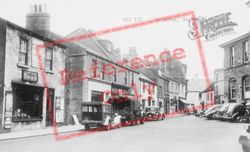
40 132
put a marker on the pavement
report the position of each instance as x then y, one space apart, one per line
177 134
40 132
50 131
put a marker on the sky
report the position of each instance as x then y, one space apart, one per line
68 16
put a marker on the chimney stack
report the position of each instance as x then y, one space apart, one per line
38 20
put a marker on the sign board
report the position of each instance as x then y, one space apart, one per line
75 119
29 76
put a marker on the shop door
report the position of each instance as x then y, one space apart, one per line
50 111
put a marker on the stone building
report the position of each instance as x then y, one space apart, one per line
237 69
219 86
91 82
26 102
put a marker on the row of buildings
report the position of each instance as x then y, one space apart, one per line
58 78
232 82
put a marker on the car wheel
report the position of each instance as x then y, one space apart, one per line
87 127
238 119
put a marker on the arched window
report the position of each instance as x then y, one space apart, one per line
232 88
246 87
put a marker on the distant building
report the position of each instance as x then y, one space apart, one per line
132 53
207 96
219 86
194 87
237 69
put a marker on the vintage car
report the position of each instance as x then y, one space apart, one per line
99 115
209 113
153 113
233 112
221 112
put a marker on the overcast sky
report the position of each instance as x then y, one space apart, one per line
67 16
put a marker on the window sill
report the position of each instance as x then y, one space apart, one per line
22 66
26 119
48 71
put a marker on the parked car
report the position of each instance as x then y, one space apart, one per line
209 113
233 112
99 115
129 109
220 113
153 113
244 116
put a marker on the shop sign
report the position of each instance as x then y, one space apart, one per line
30 76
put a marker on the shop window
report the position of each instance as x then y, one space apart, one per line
143 104
23 52
232 89
246 87
246 52
97 96
27 102
49 59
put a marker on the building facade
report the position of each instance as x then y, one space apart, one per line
26 101
237 69
219 86
91 82
148 92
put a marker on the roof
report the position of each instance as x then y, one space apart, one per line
235 40
49 36
144 77
93 46
210 88
196 85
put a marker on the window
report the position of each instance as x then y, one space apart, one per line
132 79
232 87
114 76
153 103
125 77
232 56
23 52
246 87
160 91
27 102
102 71
143 87
246 52
216 90
97 96
94 68
49 59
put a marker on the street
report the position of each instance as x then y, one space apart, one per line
184 133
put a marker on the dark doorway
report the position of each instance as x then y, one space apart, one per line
50 111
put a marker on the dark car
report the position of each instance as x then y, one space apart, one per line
99 115
209 113
234 111
221 112
153 113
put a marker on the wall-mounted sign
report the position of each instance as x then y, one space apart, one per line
29 76
8 109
